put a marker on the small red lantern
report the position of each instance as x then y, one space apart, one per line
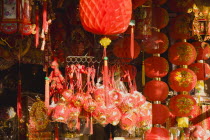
156 90
105 17
99 95
78 99
160 113
115 97
100 114
137 3
202 49
156 67
157 133
122 49
182 79
202 70
89 105
113 115
182 105
60 113
67 94
128 68
180 5
160 17
157 43
182 53
128 120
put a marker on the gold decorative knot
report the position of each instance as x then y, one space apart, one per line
105 42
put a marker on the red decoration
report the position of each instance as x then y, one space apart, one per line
128 120
105 17
131 69
139 98
156 67
156 90
89 105
60 113
157 43
78 99
115 97
182 79
180 27
114 115
122 49
137 3
160 113
182 105
128 103
202 70
182 53
160 17
202 49
99 95
157 133
67 94
180 6
198 132
100 114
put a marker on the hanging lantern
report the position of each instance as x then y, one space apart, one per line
202 70
156 90
160 17
73 111
115 97
105 17
181 27
144 115
60 113
157 133
67 94
139 98
100 114
182 53
157 43
182 105
89 105
128 68
137 3
160 113
128 120
98 95
122 49
78 99
128 103
180 6
156 67
182 79
202 49
113 115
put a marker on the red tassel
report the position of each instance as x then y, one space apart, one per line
78 124
132 42
91 125
19 106
44 25
87 121
56 133
105 76
37 27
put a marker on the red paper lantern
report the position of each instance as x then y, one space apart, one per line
89 105
78 99
137 3
182 79
128 68
156 67
157 43
160 113
156 90
202 70
122 49
160 17
180 5
100 114
60 113
182 53
105 17
202 49
180 27
115 97
157 133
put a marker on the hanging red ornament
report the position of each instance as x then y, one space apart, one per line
128 103
180 6
202 49
113 115
160 17
105 17
137 3
139 98
182 105
78 99
99 95
157 43
115 97
182 79
182 53
67 94
156 90
156 67
89 105
160 113
100 114
202 70
157 133
60 113
128 120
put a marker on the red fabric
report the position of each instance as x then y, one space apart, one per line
156 90
156 67
156 133
182 79
202 70
160 113
105 17
202 49
182 53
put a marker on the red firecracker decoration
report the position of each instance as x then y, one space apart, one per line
156 67
182 105
182 53
182 79
160 113
202 70
156 90
156 133
157 43
105 17
202 49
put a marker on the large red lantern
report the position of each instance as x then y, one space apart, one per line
156 67
157 43
180 5
202 70
182 79
122 49
182 53
156 90
160 113
160 17
137 3
182 105
105 17
157 133
202 49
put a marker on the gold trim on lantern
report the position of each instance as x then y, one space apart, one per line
182 121
157 78
156 125
156 54
183 66
200 61
184 92
157 102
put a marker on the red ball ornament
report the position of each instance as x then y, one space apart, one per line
182 105
105 17
156 90
67 94
202 70
182 53
100 114
73 111
182 79
160 113
156 67
99 95
180 5
157 133
157 43
202 49
128 103
139 98
122 49
160 17
137 3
